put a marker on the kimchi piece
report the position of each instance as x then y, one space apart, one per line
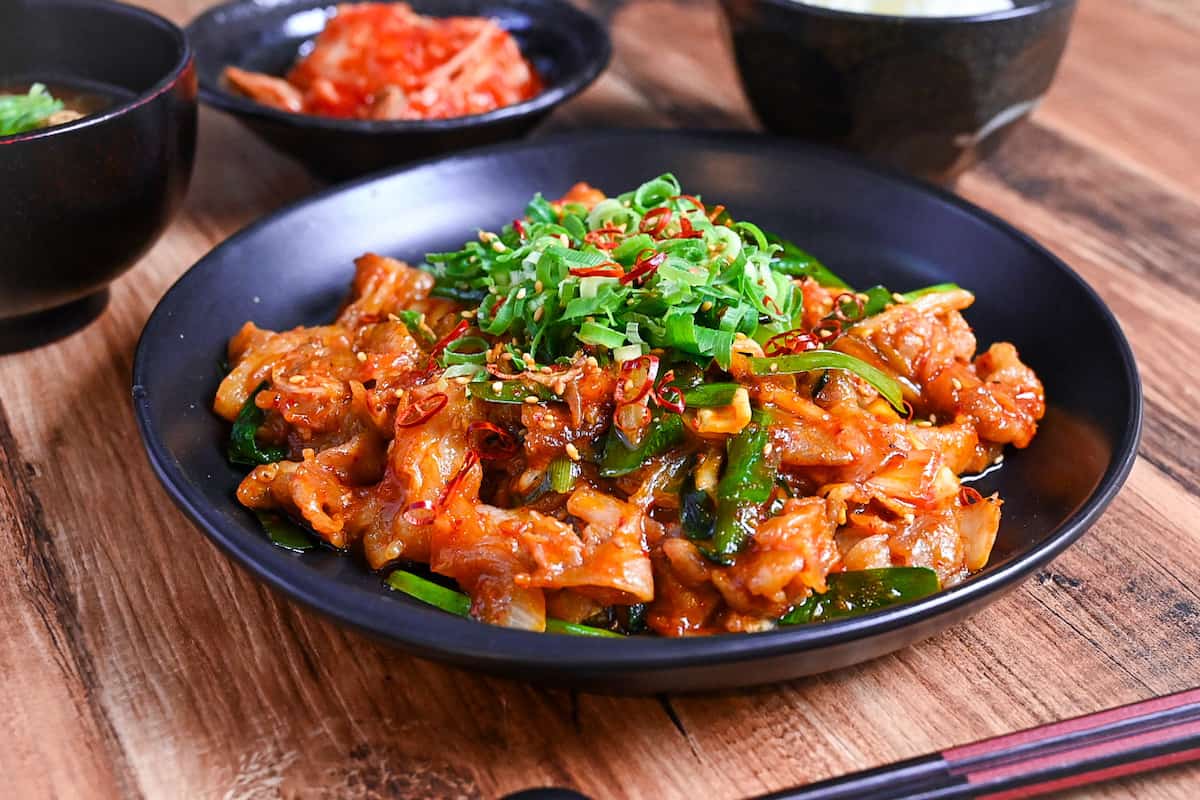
634 414
383 61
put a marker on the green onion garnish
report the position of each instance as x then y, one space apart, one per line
832 359
459 604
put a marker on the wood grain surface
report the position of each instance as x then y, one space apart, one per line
136 661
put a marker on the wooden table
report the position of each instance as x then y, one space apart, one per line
136 660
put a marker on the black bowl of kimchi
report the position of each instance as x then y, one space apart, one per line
567 48
868 225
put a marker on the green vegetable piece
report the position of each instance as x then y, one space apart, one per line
665 432
748 477
467 350
284 533
244 448
935 289
429 592
459 604
21 113
878 298
710 395
563 472
575 629
747 483
832 359
510 392
798 263
853 593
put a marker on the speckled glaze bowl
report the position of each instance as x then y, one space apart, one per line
931 96
84 200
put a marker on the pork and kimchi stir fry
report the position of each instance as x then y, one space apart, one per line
632 413
384 61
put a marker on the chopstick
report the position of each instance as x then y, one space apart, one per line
1063 755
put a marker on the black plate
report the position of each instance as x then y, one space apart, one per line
294 268
567 47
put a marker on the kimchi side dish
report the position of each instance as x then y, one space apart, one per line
383 61
632 414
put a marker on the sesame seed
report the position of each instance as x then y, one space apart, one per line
739 336
924 423
462 380
999 459
538 286
521 293
361 356
707 305
498 246
767 449
531 399
956 383
468 314
774 366
296 379
498 386
566 241
560 387
899 298
933 419
537 315
393 318
572 451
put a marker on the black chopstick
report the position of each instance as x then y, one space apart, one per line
1063 755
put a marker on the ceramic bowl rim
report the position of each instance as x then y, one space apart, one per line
1017 12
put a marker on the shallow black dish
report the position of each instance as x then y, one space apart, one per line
86 199
568 48
294 268
931 96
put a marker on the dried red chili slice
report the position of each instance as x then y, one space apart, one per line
636 379
490 441
422 410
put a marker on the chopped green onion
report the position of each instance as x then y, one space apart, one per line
664 432
471 371
575 629
21 113
852 593
466 350
563 472
284 533
801 264
710 395
747 483
594 333
510 392
459 604
429 592
832 359
935 289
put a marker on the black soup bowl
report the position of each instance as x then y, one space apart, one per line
568 48
84 200
929 95
294 268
